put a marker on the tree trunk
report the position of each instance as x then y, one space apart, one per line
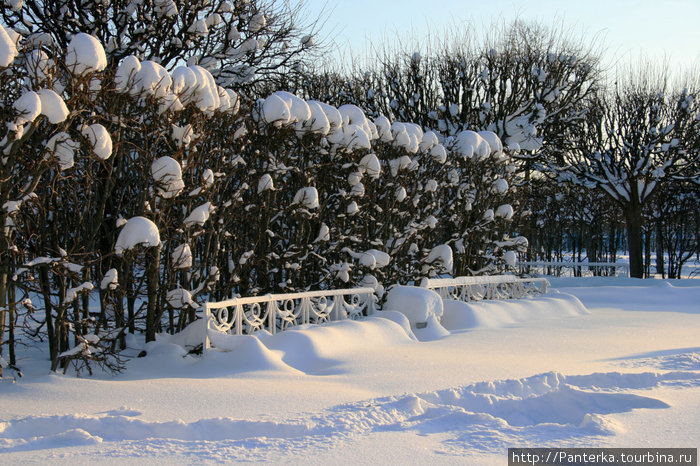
633 224
3 302
152 313
660 250
48 306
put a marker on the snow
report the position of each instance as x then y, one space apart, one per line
510 258
63 148
275 111
199 215
441 255
505 211
72 293
417 304
335 121
257 22
153 80
8 49
100 140
318 121
167 174
381 258
299 110
182 256
431 186
28 107
52 106
137 231
110 281
494 142
399 164
400 194
38 64
383 128
531 372
438 153
307 198
182 135
324 233
500 186
469 144
265 183
352 208
165 8
124 79
195 84
85 54
370 165
180 298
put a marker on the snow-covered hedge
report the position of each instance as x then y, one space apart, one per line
167 189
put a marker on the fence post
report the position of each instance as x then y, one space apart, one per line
272 315
205 338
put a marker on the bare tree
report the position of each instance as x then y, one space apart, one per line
242 43
638 138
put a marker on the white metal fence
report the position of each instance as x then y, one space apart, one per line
277 312
574 269
487 287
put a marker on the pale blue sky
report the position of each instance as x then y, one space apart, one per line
627 29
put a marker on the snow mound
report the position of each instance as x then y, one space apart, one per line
652 295
251 355
319 350
459 315
422 307
441 256
307 198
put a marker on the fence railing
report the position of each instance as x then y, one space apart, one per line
277 312
486 287
573 269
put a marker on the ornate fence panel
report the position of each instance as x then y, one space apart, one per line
278 312
487 287
574 269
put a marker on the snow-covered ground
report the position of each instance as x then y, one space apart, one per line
596 362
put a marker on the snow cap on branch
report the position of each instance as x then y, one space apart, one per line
167 174
138 231
85 54
100 140
8 49
53 106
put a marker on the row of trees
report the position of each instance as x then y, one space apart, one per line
162 169
131 193
625 146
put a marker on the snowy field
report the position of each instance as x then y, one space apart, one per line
596 362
